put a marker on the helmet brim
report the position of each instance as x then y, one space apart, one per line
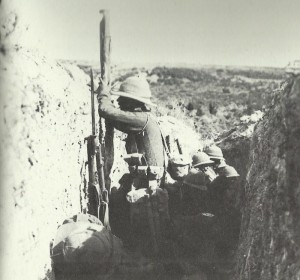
208 163
128 95
216 157
232 176
180 164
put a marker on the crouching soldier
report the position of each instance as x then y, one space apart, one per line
148 201
196 183
202 162
84 249
216 155
222 197
195 228
178 168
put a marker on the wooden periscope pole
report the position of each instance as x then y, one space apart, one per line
107 130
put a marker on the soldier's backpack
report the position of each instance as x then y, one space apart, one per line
177 163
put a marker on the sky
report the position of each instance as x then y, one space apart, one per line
204 32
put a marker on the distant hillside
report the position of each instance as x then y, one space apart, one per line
212 99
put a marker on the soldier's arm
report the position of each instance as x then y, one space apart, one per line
121 120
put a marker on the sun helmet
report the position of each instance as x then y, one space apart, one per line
214 152
201 159
136 88
229 171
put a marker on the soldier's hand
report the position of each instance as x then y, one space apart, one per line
104 87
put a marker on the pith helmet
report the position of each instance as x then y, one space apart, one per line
201 159
136 88
229 171
214 152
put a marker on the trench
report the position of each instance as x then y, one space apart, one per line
194 257
46 116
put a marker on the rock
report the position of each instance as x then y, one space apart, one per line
269 239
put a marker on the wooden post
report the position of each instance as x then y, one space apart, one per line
105 44
107 132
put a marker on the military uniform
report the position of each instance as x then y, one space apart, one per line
148 202
143 132
221 201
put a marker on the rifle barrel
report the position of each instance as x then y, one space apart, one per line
93 103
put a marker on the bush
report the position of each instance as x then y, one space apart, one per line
200 112
212 108
190 106
226 90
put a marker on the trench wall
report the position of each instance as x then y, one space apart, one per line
44 119
270 229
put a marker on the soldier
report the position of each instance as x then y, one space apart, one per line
229 182
222 197
222 190
178 168
195 227
145 157
202 162
134 118
215 154
195 184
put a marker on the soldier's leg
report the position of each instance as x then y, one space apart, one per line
119 209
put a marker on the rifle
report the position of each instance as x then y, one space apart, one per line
106 141
97 193
106 129
103 209
93 190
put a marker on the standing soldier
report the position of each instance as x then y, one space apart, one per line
134 118
145 157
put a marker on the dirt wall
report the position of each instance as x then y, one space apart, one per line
269 240
44 119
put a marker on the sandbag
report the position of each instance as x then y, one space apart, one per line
83 245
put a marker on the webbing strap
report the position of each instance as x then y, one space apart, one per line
147 121
164 140
165 144
133 139
166 149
